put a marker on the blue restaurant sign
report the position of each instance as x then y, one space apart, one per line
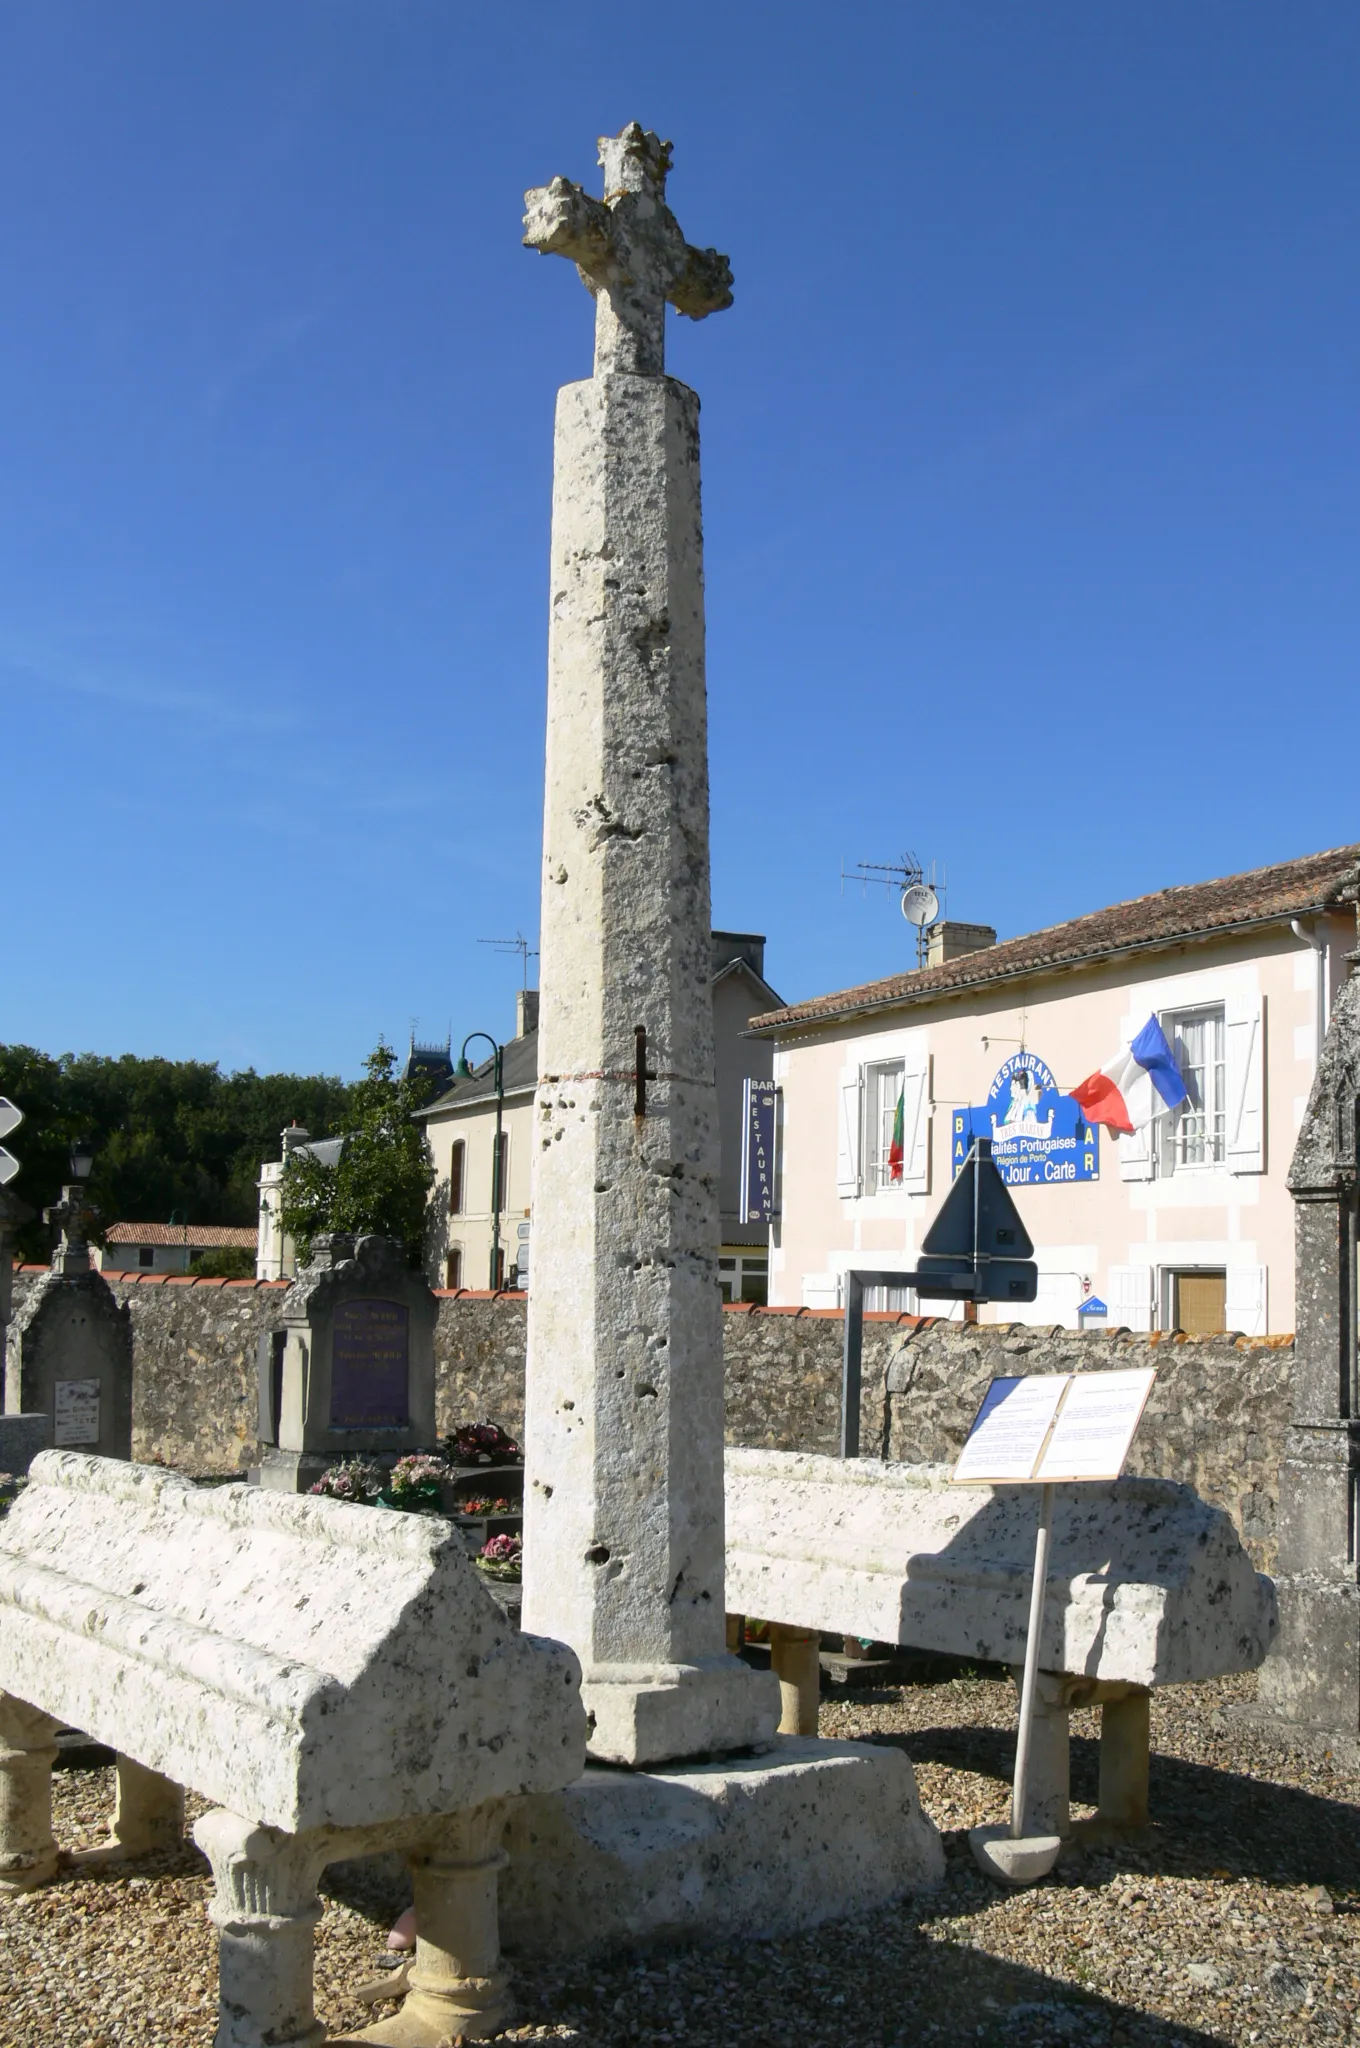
759 1103
1038 1134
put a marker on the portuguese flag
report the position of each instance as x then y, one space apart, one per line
895 1149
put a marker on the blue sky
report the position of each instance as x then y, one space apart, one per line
1030 460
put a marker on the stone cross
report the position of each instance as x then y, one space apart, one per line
630 252
624 1553
73 1253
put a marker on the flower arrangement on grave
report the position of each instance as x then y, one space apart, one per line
502 1557
356 1479
416 1482
482 1504
481 1443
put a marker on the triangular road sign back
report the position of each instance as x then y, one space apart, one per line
1000 1233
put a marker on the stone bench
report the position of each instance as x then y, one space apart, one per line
338 1680
1147 1586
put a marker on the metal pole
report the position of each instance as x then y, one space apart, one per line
497 1191
1036 1622
852 1354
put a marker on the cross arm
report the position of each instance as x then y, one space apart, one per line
562 220
704 286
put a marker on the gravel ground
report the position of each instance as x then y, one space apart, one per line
1237 1919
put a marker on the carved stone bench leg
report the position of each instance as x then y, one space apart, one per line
795 1657
1125 1742
149 1814
148 1817
28 1750
265 1909
457 1987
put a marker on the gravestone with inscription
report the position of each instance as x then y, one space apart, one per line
68 1355
356 1375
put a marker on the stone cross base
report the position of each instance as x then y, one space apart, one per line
650 1714
810 1832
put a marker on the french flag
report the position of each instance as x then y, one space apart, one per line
1143 1083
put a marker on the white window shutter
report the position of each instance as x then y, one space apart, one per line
1135 1152
916 1129
1244 1300
1245 1030
848 1129
1135 1148
1130 1302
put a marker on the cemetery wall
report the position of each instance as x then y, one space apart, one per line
1216 1420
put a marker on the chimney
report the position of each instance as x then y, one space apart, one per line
526 1012
949 941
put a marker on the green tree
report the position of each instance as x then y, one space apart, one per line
167 1134
381 1182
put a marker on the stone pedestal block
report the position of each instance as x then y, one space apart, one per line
811 1832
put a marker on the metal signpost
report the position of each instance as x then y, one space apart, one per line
977 1249
10 1120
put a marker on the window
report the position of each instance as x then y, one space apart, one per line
146 1255
453 1263
1193 1136
745 1276
500 1170
882 1093
456 1158
1198 1302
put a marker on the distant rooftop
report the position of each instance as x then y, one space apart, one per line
200 1237
1194 910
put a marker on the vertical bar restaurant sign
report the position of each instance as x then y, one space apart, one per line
760 1100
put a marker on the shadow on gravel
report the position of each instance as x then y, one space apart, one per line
883 1985
1203 1819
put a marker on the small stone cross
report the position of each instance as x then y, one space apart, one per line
73 1253
629 251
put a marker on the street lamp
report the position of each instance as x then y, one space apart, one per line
463 1072
82 1158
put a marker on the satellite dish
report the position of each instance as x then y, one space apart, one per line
920 904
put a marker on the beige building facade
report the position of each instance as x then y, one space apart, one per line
481 1225
1187 1226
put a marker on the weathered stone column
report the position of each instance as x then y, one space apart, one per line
28 1750
265 1909
1310 1683
796 1661
624 1431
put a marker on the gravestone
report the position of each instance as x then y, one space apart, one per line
68 1353
1310 1686
356 1373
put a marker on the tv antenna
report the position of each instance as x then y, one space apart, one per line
919 892
519 944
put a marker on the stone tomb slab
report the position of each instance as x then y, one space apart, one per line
339 1679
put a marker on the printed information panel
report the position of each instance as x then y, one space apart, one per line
75 1413
1054 1426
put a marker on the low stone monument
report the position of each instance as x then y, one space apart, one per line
357 1374
1310 1687
68 1354
1147 1585
339 1680
623 1535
